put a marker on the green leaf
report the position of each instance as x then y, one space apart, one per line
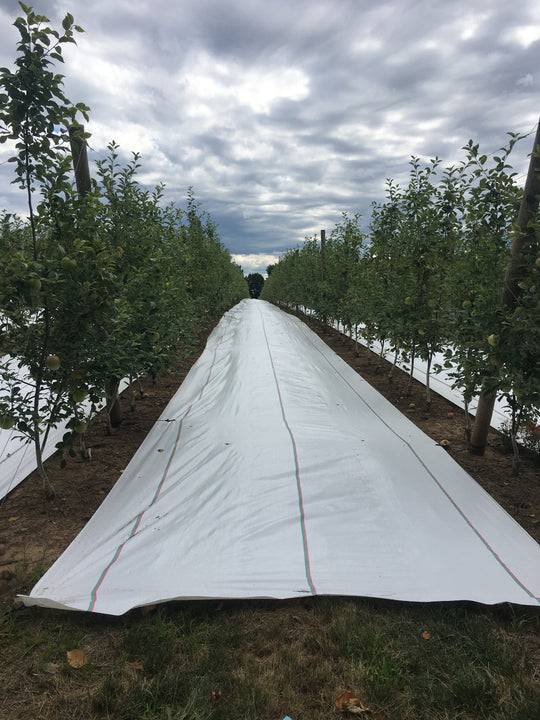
44 38
67 22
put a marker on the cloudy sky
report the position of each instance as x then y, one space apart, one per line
282 114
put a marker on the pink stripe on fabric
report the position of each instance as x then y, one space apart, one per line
297 472
446 493
93 595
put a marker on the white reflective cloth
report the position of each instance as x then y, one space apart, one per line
277 471
17 453
440 382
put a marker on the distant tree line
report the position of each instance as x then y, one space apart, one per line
255 283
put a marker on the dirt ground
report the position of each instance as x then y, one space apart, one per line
34 532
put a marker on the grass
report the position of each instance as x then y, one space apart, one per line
28 572
265 660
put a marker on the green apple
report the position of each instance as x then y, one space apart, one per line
52 362
79 395
432 303
155 337
80 428
68 263
466 304
408 300
6 422
34 283
494 340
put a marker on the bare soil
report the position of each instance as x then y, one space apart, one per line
34 531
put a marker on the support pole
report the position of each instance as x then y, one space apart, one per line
510 292
80 159
323 256
84 186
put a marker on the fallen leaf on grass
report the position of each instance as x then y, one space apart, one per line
426 635
216 696
137 666
342 698
76 658
346 702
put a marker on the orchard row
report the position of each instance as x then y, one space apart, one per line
427 277
96 286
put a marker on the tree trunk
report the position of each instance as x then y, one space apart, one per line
48 488
132 401
381 357
392 369
114 411
428 377
467 424
409 384
482 423
84 451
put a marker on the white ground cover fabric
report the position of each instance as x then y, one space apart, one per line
17 453
18 458
440 382
276 471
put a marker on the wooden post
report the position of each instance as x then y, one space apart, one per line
527 213
510 292
84 185
80 159
323 257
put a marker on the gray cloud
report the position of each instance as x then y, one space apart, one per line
282 115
